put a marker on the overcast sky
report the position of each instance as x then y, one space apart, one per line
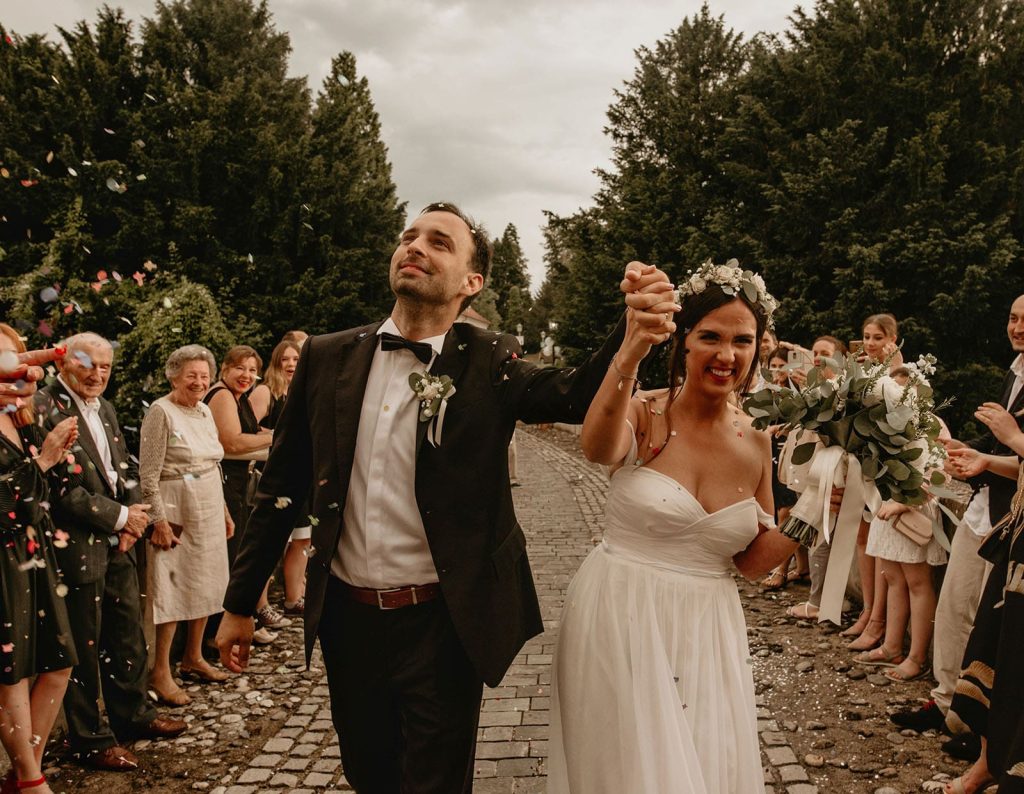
497 105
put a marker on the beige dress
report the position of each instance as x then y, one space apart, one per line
178 467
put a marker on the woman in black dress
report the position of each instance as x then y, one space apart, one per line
268 401
245 447
989 696
35 636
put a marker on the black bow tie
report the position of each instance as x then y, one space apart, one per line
421 350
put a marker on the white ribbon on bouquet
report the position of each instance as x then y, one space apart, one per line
835 467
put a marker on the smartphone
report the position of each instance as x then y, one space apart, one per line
856 346
800 359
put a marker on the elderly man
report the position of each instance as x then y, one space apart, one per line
102 518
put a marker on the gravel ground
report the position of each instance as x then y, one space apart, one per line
833 713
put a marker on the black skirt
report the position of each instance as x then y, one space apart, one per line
35 634
989 697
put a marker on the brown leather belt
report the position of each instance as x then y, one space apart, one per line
393 597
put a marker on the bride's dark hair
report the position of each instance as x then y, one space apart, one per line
694 309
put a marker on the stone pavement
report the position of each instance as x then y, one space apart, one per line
560 507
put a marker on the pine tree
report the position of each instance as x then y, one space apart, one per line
350 215
510 279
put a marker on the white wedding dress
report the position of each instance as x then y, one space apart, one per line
652 689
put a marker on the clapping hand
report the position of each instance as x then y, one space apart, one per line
966 462
57 443
1000 421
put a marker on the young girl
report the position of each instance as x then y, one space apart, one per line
879 334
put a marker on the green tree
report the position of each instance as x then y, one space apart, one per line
180 314
350 216
653 202
227 136
510 279
873 166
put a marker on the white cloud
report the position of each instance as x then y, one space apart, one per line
498 106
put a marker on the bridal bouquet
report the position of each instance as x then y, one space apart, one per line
873 436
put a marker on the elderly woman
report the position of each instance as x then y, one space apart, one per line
178 467
35 635
245 446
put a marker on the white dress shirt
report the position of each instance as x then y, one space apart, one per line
976 517
383 543
90 410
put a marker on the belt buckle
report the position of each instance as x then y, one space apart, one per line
381 593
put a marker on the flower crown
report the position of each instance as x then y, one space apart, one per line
732 280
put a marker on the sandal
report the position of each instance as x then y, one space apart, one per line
865 641
175 699
798 577
957 786
900 677
879 657
27 784
776 580
853 631
802 611
202 676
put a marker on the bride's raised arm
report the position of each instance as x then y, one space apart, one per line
650 307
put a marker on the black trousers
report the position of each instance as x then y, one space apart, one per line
106 622
405 698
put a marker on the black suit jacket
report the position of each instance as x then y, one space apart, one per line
1000 489
462 486
89 511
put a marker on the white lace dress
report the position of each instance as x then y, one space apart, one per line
891 544
653 690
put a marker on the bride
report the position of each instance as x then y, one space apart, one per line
653 690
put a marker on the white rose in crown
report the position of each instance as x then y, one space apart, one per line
433 392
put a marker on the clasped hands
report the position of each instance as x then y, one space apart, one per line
650 310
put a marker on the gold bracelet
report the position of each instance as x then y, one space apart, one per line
623 376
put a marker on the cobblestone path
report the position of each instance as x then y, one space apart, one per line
560 506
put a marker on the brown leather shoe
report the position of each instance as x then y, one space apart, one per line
111 759
161 728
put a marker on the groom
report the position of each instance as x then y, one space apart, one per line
419 586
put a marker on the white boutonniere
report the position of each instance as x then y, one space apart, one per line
433 392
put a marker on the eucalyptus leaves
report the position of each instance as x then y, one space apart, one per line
889 426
